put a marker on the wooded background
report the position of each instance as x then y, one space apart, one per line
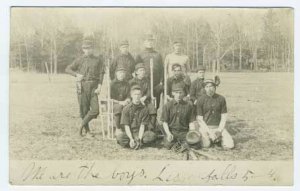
221 39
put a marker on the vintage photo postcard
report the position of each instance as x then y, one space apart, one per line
151 96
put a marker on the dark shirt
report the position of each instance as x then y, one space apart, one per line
144 84
211 108
158 67
177 80
134 116
197 89
119 90
91 67
178 115
126 61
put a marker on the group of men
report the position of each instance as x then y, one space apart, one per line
193 113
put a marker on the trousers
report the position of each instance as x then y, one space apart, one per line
123 139
226 139
88 101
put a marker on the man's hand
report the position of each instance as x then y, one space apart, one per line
138 144
170 137
98 90
186 98
169 98
124 103
195 102
218 135
143 99
212 136
132 143
79 77
127 101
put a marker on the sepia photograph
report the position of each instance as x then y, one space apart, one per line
144 88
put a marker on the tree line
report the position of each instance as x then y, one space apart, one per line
220 39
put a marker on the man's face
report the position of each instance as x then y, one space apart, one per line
136 96
149 43
120 75
177 47
87 51
140 73
201 74
177 71
178 95
124 49
210 89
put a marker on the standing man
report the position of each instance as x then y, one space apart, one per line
178 78
143 82
212 117
120 94
178 118
158 69
89 71
124 59
177 57
135 118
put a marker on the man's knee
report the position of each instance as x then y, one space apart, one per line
227 141
205 143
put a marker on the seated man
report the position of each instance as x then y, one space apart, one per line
178 78
120 94
197 88
135 118
177 117
212 116
141 80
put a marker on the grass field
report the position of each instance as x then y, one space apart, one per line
44 120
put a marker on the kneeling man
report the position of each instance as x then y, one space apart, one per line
178 117
134 120
212 116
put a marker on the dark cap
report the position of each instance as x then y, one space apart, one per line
139 65
193 137
149 36
177 40
135 87
120 68
200 68
124 43
175 66
86 43
178 87
207 81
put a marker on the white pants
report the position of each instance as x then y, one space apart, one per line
226 140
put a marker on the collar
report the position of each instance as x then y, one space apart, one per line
180 77
177 54
140 105
142 80
118 81
180 102
214 96
89 56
